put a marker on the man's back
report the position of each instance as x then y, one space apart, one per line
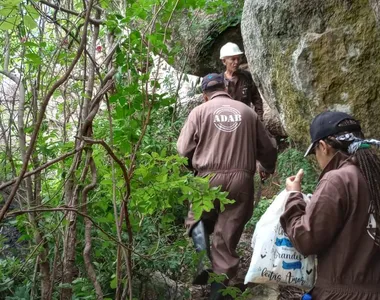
225 135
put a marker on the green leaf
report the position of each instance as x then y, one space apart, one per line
11 3
34 58
168 218
162 178
186 190
24 237
114 98
113 283
29 22
125 147
107 182
29 129
32 11
10 23
104 3
208 205
7 11
31 44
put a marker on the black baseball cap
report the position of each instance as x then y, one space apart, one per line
327 124
212 80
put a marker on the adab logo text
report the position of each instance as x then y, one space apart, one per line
227 118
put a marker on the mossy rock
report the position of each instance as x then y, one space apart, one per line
311 56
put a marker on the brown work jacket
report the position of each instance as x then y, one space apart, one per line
242 88
225 135
334 227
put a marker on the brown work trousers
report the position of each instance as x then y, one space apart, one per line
227 226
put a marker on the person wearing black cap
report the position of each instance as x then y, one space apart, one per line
341 225
224 137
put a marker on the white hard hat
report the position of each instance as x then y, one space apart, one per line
230 49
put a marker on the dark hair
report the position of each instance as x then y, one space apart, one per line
369 165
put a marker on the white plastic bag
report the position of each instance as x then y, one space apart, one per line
274 259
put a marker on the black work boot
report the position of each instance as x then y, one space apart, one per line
216 293
202 243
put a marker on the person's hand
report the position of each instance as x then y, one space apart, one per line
264 175
293 183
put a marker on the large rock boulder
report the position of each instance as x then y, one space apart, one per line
309 56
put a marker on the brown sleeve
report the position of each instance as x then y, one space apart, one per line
188 138
257 102
266 148
311 228
256 99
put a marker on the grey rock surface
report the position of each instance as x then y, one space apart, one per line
310 56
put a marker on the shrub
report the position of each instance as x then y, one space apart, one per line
290 161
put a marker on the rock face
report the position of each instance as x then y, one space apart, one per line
206 58
309 56
201 33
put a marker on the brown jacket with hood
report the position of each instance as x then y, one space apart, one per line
242 88
334 227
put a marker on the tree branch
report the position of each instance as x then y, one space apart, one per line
11 76
95 102
111 153
66 208
124 209
7 46
88 225
91 20
42 167
41 115
108 58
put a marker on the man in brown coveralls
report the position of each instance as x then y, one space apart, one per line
224 137
239 83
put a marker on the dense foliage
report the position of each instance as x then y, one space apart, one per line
104 206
